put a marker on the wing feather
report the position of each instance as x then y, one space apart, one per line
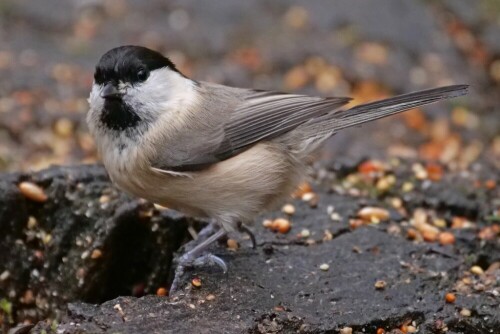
259 115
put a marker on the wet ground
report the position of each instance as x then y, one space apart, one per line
372 247
88 242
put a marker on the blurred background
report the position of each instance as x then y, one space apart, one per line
364 49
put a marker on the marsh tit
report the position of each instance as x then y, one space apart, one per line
210 150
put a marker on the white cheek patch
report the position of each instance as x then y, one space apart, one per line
96 103
163 91
95 100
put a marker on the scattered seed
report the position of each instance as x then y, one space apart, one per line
429 232
385 183
429 235
310 242
301 190
465 312
32 192
355 223
420 172
439 222
104 199
370 167
450 297
161 291
490 184
311 198
327 235
32 222
335 216
357 250
372 53
446 238
281 225
232 244
419 218
467 280
28 298
434 171
314 202
5 275
267 223
477 270
489 232
118 307
46 238
210 297
397 203
305 233
196 282
63 127
307 196
411 234
495 70
324 267
460 223
288 209
96 253
380 284
373 214
296 17
297 77
85 254
192 306
411 329
407 187
346 330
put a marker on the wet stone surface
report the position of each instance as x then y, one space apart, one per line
337 275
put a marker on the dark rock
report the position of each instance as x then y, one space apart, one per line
278 287
90 241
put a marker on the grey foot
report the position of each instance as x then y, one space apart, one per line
187 262
195 258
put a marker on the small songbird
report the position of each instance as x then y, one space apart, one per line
210 150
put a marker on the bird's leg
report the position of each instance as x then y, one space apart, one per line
203 234
244 229
194 258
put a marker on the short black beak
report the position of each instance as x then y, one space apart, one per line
110 92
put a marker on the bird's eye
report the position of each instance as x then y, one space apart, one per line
142 75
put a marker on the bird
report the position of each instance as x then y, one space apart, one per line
211 150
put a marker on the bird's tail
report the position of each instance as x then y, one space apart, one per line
318 129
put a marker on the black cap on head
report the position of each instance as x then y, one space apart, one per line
129 63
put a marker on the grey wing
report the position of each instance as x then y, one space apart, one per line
260 115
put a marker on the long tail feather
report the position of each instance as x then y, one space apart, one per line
383 108
309 136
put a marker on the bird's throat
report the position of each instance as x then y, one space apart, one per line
116 115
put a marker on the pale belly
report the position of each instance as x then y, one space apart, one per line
234 190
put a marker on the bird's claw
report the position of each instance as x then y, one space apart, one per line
244 229
187 261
